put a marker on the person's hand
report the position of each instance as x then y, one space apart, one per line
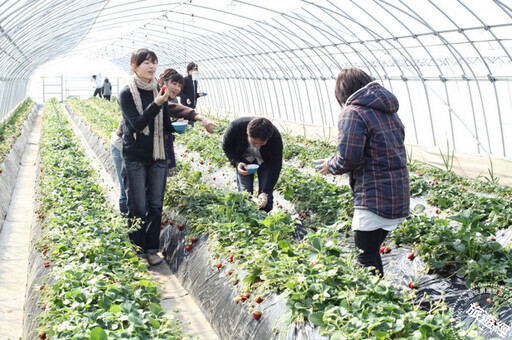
322 168
208 125
241 169
188 101
182 120
162 96
262 200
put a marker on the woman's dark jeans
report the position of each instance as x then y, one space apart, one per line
145 185
369 242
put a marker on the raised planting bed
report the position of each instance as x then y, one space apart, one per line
85 281
14 133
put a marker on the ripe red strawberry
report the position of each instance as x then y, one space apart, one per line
499 291
313 228
201 162
244 296
41 288
42 336
412 285
219 266
180 227
437 211
230 258
163 89
194 239
314 264
492 238
43 306
384 250
256 315
411 256
46 264
258 299
187 248
419 173
213 178
44 252
230 272
436 183
303 215
488 301
170 222
1 171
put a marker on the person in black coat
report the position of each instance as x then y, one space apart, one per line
250 140
189 93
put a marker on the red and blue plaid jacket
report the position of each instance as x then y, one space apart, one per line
371 149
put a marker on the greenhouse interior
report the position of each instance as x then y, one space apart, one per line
133 135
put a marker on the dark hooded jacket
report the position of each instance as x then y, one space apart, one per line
372 150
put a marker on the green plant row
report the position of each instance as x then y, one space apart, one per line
102 122
109 107
96 286
325 203
318 275
467 248
10 128
484 184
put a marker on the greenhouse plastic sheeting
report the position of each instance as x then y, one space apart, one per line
212 289
35 276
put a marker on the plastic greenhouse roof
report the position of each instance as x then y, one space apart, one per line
450 59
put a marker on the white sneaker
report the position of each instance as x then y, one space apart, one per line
154 259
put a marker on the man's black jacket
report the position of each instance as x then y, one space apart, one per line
236 142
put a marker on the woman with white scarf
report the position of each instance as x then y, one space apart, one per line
145 117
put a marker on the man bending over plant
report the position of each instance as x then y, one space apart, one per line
255 145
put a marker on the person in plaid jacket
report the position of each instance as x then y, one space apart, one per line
371 150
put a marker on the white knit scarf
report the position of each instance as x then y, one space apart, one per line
158 136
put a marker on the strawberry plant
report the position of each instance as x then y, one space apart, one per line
10 128
318 276
103 124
